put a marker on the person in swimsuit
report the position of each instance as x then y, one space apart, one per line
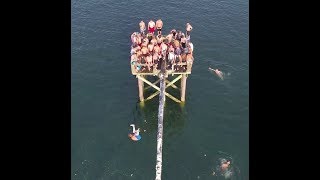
163 48
149 61
189 58
139 54
155 59
171 56
170 38
177 52
135 135
183 41
154 40
178 36
159 25
142 27
145 42
134 38
174 33
144 52
225 165
150 47
159 39
139 37
190 46
156 49
151 26
188 30
219 73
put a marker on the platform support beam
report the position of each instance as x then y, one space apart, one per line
183 87
141 85
157 88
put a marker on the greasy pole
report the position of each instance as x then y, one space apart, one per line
160 119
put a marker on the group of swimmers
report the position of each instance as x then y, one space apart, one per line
150 48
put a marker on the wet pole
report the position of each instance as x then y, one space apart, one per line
160 120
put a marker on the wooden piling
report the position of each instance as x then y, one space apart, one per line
141 85
183 87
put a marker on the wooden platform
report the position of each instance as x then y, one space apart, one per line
180 68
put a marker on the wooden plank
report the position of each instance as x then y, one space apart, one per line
170 83
140 85
152 83
173 86
157 88
183 87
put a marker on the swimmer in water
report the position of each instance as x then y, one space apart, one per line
219 73
225 165
222 168
135 135
134 131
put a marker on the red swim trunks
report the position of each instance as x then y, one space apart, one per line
151 30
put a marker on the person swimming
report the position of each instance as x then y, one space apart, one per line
225 165
135 135
219 73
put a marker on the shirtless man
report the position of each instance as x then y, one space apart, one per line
188 29
189 58
219 73
139 54
176 43
150 36
151 26
177 52
174 33
134 60
159 25
139 37
142 27
154 40
225 166
183 41
135 48
155 58
159 39
144 50
156 50
178 36
169 37
163 48
190 48
171 55
145 42
149 61
156 54
150 47
171 48
134 38
144 53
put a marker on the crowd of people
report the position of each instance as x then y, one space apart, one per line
149 49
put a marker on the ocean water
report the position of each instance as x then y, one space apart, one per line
213 122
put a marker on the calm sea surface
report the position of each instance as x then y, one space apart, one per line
214 120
